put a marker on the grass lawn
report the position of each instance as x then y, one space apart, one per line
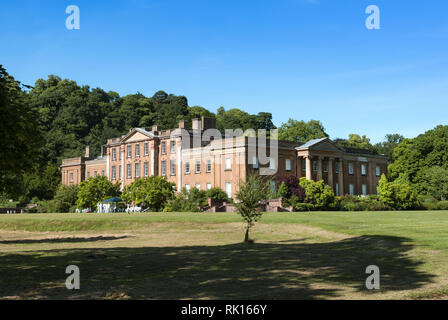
318 255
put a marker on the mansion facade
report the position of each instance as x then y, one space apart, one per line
199 156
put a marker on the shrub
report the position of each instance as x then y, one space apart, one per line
318 194
303 206
442 205
152 191
293 187
398 195
428 202
187 201
94 190
217 194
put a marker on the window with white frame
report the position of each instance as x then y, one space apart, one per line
163 147
163 165
129 170
364 189
350 168
187 167
137 150
336 167
288 165
114 172
198 186
95 173
114 154
377 171
146 168
187 187
173 167
229 189
71 177
314 165
351 189
198 166
325 166
363 169
208 185
102 172
88 174
337 189
303 165
172 146
228 163
129 151
137 170
146 148
208 167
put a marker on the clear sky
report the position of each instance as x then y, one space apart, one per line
304 59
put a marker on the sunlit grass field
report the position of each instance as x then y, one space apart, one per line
312 255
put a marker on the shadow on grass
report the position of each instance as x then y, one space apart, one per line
234 271
53 240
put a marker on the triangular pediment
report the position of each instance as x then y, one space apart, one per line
326 145
137 134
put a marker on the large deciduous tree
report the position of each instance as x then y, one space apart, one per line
94 190
19 135
301 131
151 191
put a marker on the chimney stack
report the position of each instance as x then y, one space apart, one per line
196 124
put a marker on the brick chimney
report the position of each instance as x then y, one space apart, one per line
87 155
208 123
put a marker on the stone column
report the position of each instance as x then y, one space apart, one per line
341 178
330 172
319 168
308 167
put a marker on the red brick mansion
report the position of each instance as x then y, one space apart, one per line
216 160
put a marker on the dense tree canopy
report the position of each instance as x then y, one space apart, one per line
301 131
19 135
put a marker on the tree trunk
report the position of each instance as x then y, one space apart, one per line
246 237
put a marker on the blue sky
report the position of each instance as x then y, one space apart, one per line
304 59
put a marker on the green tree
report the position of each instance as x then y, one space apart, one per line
65 198
94 190
153 191
321 196
434 182
19 134
389 144
193 200
398 195
250 197
356 141
301 131
217 194
414 156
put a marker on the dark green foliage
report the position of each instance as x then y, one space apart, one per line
217 194
19 134
187 201
357 142
388 146
413 157
359 203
